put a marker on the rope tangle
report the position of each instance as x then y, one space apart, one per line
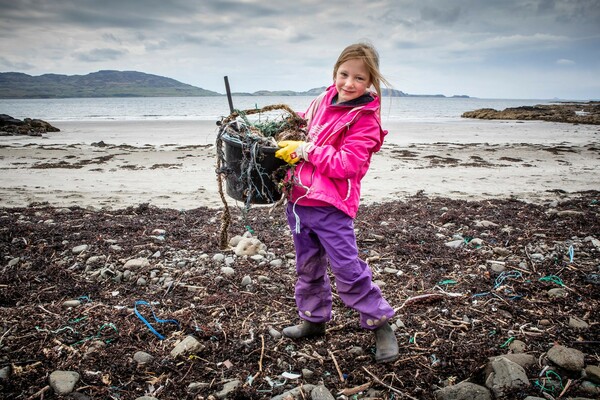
250 178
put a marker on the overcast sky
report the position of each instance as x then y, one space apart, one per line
525 49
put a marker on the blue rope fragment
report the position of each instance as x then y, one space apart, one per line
160 321
571 253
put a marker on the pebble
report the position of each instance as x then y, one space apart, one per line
14 261
63 382
517 346
228 388
195 387
567 358
307 373
219 257
295 393
505 376
501 251
136 263
246 280
71 303
275 334
578 323
229 261
592 373
189 345
79 249
485 224
141 357
146 398
476 242
5 372
557 293
249 247
321 393
455 244
464 390
227 271
276 262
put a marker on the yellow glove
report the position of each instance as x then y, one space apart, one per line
292 151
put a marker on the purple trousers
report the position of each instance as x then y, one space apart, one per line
327 234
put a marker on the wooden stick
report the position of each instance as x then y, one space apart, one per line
565 389
262 352
336 366
393 389
354 390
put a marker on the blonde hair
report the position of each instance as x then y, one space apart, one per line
368 54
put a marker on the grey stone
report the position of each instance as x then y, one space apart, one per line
592 372
455 244
189 345
567 358
228 388
578 323
505 375
275 334
246 280
218 257
522 359
146 398
533 398
249 247
63 382
276 262
476 242
296 393
136 263
195 387
557 293
485 224
79 249
590 389
227 271
71 303
141 357
517 346
321 393
464 391
307 373
5 372
14 261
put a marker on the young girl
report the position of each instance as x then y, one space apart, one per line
344 130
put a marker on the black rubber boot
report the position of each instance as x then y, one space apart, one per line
386 344
304 329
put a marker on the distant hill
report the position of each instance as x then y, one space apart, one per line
17 85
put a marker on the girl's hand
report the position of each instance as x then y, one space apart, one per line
292 151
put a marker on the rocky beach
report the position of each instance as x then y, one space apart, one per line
484 236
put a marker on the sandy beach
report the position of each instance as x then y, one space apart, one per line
173 165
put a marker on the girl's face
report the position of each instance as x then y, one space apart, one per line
352 80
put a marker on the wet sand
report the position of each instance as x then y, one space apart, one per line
172 163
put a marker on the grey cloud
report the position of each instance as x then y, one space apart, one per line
100 55
15 65
440 15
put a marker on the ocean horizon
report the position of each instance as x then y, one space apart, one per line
414 109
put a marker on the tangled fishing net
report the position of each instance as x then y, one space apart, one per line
248 163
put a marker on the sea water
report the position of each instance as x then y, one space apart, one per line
412 109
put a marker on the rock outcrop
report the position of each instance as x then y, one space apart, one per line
10 126
577 113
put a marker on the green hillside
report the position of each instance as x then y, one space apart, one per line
16 85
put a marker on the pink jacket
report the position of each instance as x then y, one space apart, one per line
344 138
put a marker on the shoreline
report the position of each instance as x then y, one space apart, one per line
172 163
